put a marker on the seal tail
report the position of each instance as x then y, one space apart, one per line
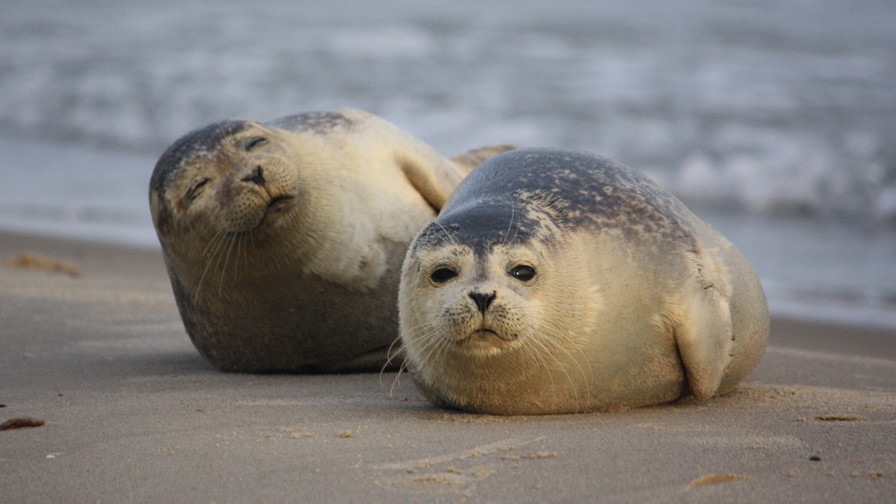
469 160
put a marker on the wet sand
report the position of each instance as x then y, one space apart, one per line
91 343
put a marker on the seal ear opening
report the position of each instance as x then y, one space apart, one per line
704 335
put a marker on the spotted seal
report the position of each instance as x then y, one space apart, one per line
557 282
283 240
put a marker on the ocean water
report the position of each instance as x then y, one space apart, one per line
774 120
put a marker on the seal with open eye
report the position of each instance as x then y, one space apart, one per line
559 282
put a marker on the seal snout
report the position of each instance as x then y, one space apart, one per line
271 182
256 176
482 300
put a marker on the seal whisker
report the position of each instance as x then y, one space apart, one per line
396 380
402 368
242 256
532 346
237 252
248 243
211 253
211 243
546 348
432 343
556 343
228 250
389 356
447 233
435 347
560 339
507 238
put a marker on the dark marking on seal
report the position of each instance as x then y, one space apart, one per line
199 141
510 198
206 139
480 226
313 122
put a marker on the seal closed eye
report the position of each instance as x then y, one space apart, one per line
255 142
283 240
579 285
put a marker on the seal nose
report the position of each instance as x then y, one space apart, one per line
482 300
256 176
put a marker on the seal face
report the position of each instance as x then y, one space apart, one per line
558 282
283 240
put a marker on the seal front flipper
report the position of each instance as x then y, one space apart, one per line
703 332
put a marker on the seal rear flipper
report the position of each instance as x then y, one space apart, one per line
469 160
435 177
434 180
704 335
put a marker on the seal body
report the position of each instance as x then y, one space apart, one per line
560 282
283 240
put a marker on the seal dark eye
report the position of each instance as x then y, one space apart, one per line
523 272
442 275
255 142
196 189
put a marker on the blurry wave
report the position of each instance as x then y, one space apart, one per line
771 107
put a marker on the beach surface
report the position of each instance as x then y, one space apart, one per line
91 344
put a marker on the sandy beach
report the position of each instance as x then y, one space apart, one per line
92 345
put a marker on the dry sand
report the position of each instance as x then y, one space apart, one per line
91 343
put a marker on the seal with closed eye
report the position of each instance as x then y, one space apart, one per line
283 240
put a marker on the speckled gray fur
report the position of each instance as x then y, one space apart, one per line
199 141
314 122
506 198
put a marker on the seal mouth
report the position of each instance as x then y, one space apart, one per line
278 202
484 335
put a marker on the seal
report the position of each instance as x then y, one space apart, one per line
557 282
283 240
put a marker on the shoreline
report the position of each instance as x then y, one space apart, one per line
132 410
92 257
14 242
